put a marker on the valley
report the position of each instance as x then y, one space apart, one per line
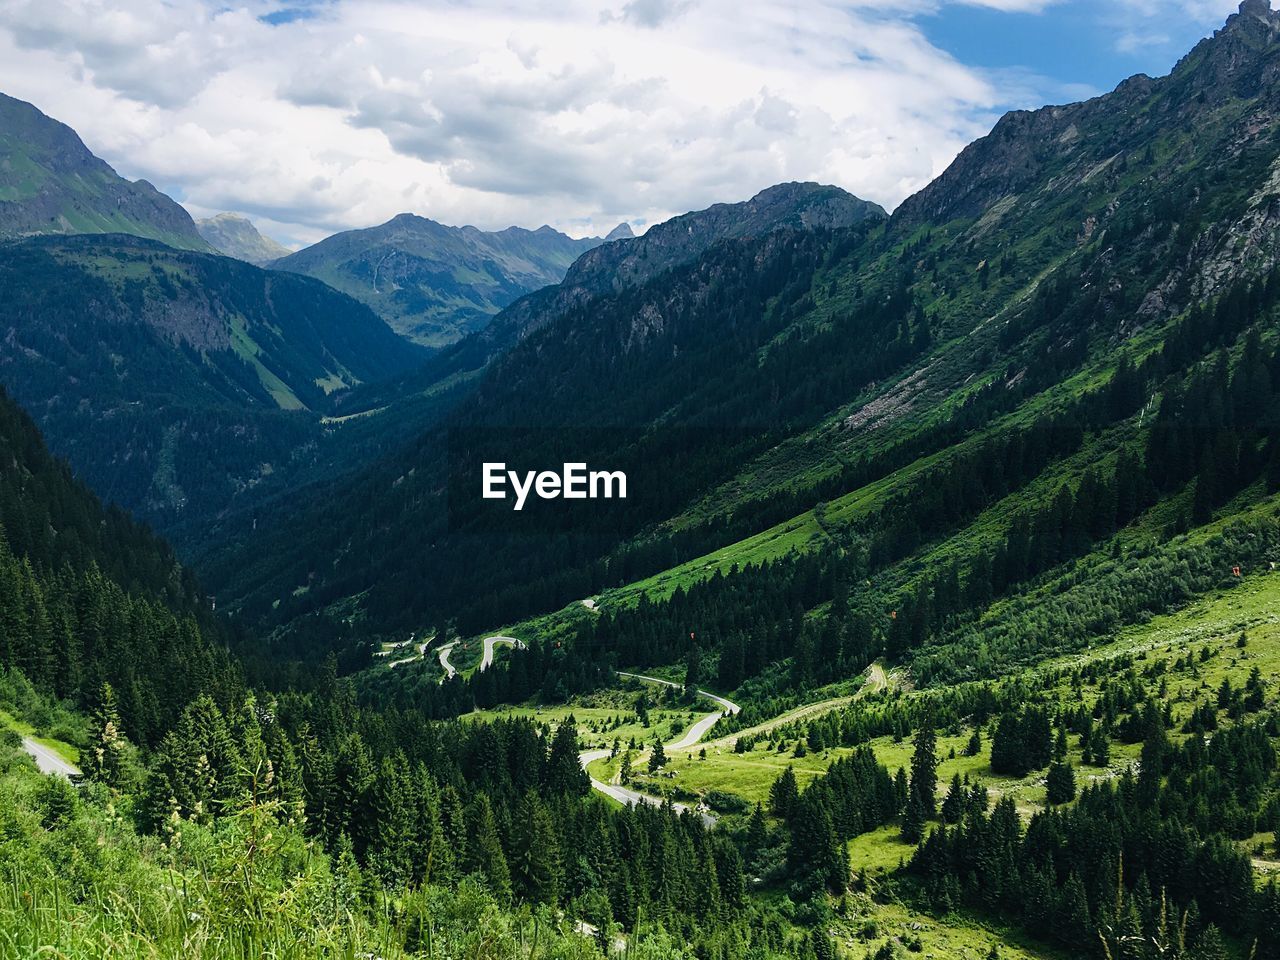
937 611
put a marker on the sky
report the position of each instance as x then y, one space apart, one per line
314 116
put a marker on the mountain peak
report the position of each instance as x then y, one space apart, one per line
435 283
53 184
236 236
622 231
1250 14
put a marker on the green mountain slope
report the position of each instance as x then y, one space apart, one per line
177 381
725 286
857 370
433 283
613 268
236 236
88 596
51 183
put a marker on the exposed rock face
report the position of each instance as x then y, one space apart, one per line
237 237
800 206
1063 144
51 183
621 232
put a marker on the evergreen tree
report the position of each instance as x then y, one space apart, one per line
784 794
821 946
535 862
914 820
657 757
484 854
564 774
105 760
757 834
924 769
813 856
1060 785
974 746
1210 945
954 803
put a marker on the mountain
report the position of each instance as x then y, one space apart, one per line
91 596
621 232
51 184
237 237
434 283
628 263
175 381
560 374
800 206
789 390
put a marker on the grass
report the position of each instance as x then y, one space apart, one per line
23 729
869 925
1213 624
245 347
604 717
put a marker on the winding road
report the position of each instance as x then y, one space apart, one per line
445 665
692 736
491 642
48 761
486 659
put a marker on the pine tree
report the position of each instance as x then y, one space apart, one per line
757 834
1075 910
1210 945
105 760
953 804
784 794
391 844
484 854
821 945
914 819
924 769
813 856
1060 785
564 774
657 757
974 746
535 863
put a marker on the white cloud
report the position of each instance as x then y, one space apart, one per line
578 113
1013 6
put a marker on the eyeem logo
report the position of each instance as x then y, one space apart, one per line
575 482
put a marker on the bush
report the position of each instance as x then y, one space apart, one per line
722 801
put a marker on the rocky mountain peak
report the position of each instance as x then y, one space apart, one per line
236 236
1256 8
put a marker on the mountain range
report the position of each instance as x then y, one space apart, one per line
1062 244
175 380
434 283
969 515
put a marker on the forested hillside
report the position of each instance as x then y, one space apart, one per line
92 600
176 382
853 369
617 267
